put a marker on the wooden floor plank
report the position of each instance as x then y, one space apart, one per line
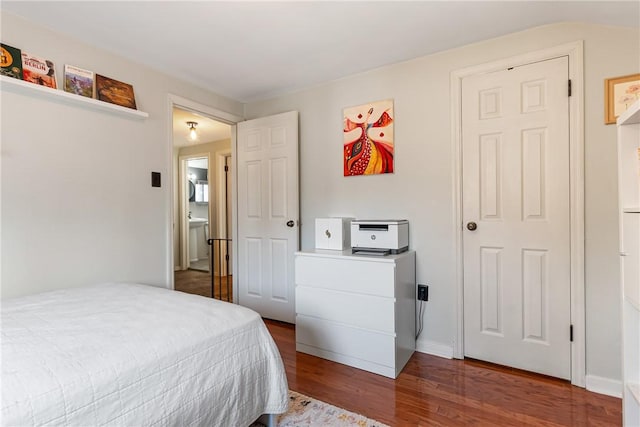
199 283
432 391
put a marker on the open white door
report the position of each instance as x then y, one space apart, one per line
268 213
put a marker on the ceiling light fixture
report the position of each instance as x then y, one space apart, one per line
192 130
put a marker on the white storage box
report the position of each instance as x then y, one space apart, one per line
333 233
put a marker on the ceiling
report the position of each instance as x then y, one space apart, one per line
208 130
250 51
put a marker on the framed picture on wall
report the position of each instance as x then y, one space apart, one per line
368 139
619 94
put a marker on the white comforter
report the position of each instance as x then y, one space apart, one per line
124 354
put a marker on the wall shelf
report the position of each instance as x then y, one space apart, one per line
20 86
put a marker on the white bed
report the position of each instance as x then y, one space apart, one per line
127 354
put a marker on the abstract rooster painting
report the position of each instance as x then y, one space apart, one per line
368 139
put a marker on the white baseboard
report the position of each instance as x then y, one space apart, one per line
434 348
604 385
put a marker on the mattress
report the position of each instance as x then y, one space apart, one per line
130 354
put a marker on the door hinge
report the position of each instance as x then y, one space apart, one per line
226 257
226 168
569 87
571 333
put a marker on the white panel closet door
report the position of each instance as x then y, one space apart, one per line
516 191
268 213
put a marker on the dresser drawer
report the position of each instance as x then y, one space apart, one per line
366 277
359 310
362 344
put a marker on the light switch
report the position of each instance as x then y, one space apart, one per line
155 179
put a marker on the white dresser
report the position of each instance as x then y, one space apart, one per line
629 199
357 310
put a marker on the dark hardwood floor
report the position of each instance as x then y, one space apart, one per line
199 283
432 391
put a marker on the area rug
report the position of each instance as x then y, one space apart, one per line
309 412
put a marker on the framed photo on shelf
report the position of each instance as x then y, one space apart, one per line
78 81
38 70
10 61
619 94
115 92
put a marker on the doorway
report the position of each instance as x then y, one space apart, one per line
275 134
199 193
515 203
531 258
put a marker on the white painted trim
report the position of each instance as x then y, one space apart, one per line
434 348
604 386
214 113
196 107
576 141
234 211
576 160
170 200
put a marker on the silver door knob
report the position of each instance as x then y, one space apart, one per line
290 223
471 226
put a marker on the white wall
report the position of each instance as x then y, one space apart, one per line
77 201
421 189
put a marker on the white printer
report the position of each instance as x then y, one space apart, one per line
379 236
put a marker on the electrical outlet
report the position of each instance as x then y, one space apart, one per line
423 293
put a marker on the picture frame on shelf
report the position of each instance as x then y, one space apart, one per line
78 81
619 94
10 61
38 70
115 92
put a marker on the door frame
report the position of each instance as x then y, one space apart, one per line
183 205
215 114
574 51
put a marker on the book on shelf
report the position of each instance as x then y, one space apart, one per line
78 81
10 61
115 92
38 70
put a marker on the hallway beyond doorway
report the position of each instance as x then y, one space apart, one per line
199 283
